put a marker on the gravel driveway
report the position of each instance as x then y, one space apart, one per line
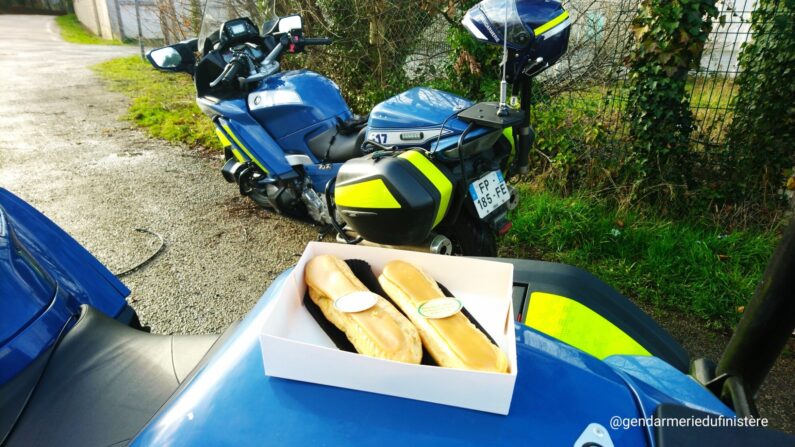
64 150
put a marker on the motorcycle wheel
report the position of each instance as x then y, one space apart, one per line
261 200
471 237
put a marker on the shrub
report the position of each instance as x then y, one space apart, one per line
669 39
763 130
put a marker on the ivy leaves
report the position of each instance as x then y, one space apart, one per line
669 36
763 129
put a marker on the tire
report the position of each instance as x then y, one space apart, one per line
471 237
261 200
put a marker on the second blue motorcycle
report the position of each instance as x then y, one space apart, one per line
425 169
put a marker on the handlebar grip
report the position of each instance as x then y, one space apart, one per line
232 72
220 77
317 41
229 72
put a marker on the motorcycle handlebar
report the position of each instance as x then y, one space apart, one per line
229 72
317 41
231 69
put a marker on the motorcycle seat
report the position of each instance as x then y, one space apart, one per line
102 383
334 146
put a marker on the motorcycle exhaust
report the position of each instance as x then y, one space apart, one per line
231 170
435 243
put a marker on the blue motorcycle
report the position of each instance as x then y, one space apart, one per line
593 369
425 168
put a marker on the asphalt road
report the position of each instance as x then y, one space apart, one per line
64 150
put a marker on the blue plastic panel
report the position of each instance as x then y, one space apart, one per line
419 107
424 111
296 100
257 143
44 277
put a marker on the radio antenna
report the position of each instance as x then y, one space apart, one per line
502 110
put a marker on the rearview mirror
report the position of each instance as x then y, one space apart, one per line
178 57
165 58
290 23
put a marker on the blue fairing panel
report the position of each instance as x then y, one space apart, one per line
559 392
427 113
292 101
27 288
295 106
656 376
44 277
418 107
249 136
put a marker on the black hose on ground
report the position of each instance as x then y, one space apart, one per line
149 259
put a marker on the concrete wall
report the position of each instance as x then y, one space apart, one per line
116 19
86 12
106 15
99 16
150 19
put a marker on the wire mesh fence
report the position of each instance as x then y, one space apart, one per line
710 86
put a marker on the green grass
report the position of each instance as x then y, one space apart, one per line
73 31
710 100
162 103
671 264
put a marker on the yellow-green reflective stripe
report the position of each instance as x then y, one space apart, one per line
508 132
226 143
240 145
369 194
551 24
439 180
577 325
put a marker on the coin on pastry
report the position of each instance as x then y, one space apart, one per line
372 324
451 339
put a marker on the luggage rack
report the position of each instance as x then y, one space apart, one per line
486 114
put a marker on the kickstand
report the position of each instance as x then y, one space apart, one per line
324 231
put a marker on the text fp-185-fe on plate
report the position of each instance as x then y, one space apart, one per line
489 192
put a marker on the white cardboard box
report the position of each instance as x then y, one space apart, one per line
295 347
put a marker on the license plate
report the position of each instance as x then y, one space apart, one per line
489 192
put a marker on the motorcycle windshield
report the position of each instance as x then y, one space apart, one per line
489 19
216 12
